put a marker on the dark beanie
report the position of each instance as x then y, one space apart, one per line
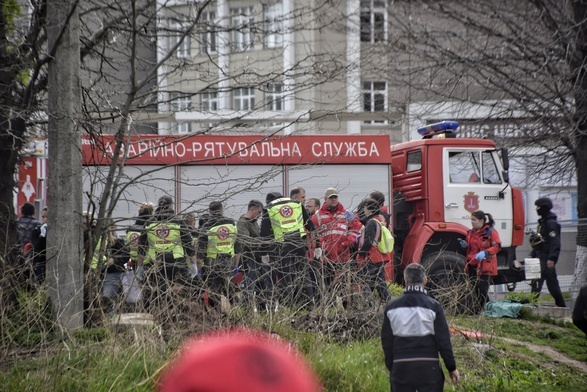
272 196
544 205
165 201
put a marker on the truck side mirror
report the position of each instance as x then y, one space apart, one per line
506 176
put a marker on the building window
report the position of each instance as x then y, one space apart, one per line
242 25
209 32
178 35
274 97
373 21
243 98
209 101
274 25
181 103
374 98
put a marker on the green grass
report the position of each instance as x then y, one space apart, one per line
104 359
120 362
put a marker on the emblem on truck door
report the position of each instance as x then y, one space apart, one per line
471 201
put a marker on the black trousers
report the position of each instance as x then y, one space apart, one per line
374 276
481 288
421 376
548 275
290 271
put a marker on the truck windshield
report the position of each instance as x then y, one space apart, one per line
473 166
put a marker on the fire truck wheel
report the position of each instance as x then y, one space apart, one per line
448 283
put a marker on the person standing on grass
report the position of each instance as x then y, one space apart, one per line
546 246
414 332
482 245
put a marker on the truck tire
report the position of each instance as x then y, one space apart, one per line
448 283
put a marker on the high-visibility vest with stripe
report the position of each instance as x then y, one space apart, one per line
164 237
221 239
132 239
286 217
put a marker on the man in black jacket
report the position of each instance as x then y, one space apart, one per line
414 332
546 246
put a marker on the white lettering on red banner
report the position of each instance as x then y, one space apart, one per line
241 149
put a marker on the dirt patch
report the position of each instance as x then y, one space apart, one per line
549 351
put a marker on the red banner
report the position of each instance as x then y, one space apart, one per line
27 181
238 150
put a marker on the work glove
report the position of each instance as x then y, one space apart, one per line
463 243
265 259
481 255
317 253
140 273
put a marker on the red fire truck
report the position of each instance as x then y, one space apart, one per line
434 184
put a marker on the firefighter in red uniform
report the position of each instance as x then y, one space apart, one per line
338 231
482 245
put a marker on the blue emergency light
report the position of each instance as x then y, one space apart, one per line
433 129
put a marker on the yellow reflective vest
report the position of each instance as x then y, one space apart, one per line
164 237
221 239
286 216
132 239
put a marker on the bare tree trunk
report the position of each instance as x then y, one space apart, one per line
64 240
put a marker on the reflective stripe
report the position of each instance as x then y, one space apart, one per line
164 237
416 359
411 321
286 217
333 232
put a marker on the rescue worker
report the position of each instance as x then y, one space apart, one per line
216 255
134 232
338 231
108 260
131 286
546 246
482 246
310 270
370 258
380 198
285 222
165 248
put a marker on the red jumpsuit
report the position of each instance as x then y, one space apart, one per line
338 230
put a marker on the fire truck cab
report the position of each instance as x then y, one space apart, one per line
438 182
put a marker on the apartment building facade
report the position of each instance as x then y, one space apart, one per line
283 66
